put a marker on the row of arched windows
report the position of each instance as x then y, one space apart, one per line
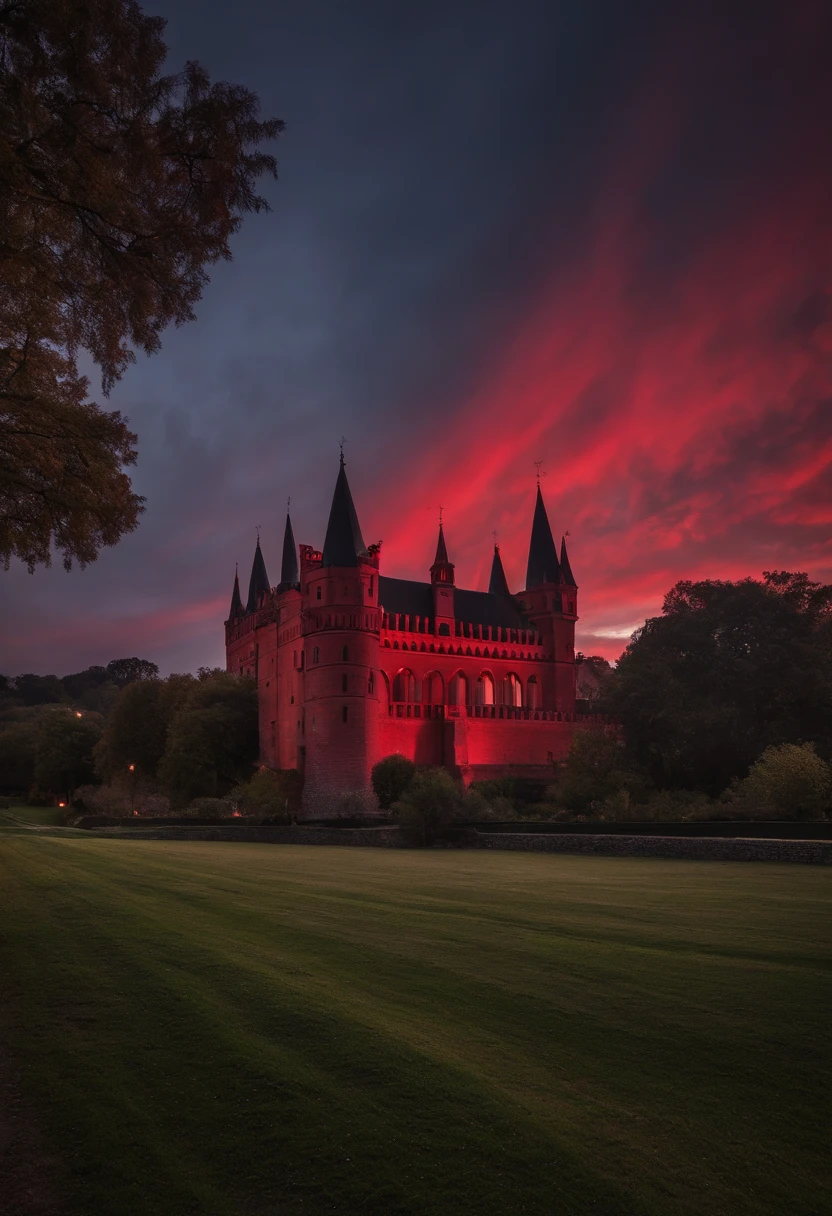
484 690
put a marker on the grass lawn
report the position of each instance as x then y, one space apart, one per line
217 1028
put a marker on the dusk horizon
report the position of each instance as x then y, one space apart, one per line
594 239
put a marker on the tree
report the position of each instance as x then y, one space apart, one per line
591 675
212 742
269 794
787 782
39 690
64 758
136 734
391 777
430 803
119 186
594 769
725 671
125 671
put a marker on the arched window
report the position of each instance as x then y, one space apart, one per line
433 688
533 693
512 690
484 689
316 655
458 689
404 686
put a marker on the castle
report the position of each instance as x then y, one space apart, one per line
351 665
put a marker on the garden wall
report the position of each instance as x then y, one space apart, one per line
710 848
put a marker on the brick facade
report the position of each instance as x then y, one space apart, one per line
351 666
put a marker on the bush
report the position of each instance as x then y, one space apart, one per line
210 808
120 801
390 778
269 795
675 806
787 782
431 802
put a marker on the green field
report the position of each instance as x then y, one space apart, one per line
250 1029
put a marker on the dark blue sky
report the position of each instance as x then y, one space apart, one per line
596 234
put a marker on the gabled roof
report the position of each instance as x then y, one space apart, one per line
474 607
289 572
565 569
344 543
543 564
236 602
259 580
497 584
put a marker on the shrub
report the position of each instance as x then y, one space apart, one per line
119 800
269 795
787 782
210 808
430 803
674 806
390 778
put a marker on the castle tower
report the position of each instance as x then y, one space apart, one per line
341 640
551 604
442 585
286 701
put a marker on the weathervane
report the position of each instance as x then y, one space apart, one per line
538 464
341 446
288 503
441 509
257 530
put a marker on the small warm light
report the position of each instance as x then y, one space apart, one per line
135 812
78 714
131 767
61 804
235 815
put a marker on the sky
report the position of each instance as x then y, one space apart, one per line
597 235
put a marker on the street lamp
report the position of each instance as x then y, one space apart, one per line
131 768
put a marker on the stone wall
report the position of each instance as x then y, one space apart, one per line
704 848
384 837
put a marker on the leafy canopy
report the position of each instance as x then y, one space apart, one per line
727 670
119 186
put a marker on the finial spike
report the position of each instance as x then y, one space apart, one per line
538 464
441 509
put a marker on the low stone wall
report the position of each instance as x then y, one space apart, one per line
704 848
385 837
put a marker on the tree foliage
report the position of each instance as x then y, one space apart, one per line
119 186
787 782
64 758
391 777
727 670
125 671
431 802
212 741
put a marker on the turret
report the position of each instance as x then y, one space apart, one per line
236 609
259 581
340 727
498 584
442 583
550 602
289 573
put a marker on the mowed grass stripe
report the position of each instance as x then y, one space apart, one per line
453 1032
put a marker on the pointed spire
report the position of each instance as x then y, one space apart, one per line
344 544
497 584
566 575
289 573
442 570
236 601
259 580
543 564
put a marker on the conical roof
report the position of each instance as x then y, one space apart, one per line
259 580
236 601
566 575
442 570
344 543
543 564
289 572
497 584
